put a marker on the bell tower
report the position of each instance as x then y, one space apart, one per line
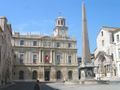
60 29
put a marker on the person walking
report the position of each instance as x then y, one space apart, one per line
37 87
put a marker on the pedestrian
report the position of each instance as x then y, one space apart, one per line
37 87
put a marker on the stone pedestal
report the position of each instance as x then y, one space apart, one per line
86 72
75 75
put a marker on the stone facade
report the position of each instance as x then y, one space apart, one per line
107 61
47 58
6 52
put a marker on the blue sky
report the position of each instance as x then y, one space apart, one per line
39 16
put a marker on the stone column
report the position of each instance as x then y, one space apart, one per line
39 57
42 56
51 56
53 74
53 61
65 58
41 74
64 74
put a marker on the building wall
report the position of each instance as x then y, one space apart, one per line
117 50
51 48
106 56
6 51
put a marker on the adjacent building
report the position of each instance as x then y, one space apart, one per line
107 53
47 58
6 52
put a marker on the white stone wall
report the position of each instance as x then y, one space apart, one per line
116 51
110 48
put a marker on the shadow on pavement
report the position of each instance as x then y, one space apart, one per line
28 86
20 86
47 87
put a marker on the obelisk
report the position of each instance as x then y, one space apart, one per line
86 68
85 42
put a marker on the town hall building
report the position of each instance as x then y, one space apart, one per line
46 58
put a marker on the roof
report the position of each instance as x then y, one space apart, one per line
110 29
60 17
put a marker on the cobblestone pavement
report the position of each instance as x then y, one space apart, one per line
62 86
56 86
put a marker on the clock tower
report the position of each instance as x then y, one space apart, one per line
60 29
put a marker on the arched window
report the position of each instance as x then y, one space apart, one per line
58 75
70 75
58 22
21 75
34 75
102 33
58 59
61 22
69 59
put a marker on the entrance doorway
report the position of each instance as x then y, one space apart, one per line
58 75
70 75
47 75
21 75
34 75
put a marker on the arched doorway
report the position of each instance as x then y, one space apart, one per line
47 75
70 75
102 66
58 75
34 75
21 75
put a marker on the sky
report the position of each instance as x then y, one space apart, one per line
38 16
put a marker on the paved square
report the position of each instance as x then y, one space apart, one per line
58 86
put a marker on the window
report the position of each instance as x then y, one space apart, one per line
44 43
69 59
117 38
58 59
47 43
58 75
102 33
112 56
21 75
102 42
34 43
69 45
61 22
34 58
21 58
34 75
70 75
112 37
58 44
58 22
21 42
119 53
